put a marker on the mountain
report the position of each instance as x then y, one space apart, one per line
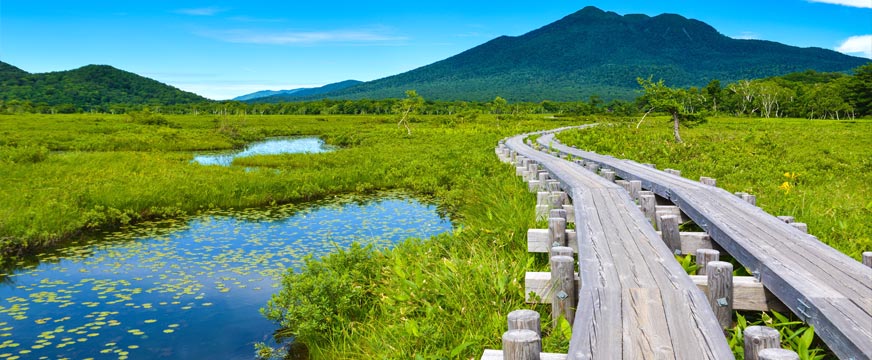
593 52
263 93
289 95
89 87
297 94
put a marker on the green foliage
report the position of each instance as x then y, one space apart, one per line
329 296
92 87
795 335
823 163
442 298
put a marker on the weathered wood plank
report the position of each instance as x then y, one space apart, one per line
618 251
748 293
822 286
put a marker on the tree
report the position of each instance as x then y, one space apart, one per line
713 90
408 106
860 89
671 101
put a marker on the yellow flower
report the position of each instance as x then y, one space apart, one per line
786 187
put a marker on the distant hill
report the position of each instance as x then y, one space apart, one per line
263 93
89 86
297 94
592 52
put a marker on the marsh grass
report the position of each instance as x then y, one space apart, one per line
446 297
827 166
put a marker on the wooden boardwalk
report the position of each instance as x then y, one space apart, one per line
635 300
822 286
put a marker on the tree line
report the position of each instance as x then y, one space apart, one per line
809 94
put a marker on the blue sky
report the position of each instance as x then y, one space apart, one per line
222 49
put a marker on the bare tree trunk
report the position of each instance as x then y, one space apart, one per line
675 127
643 117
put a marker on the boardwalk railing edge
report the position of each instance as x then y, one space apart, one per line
849 336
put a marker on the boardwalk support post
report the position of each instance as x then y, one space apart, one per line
777 354
557 231
720 291
703 257
867 258
758 338
800 226
669 233
649 206
565 295
521 345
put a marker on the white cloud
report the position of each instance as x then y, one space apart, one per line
207 11
851 3
861 44
300 37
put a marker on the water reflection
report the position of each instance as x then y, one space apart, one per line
309 145
186 289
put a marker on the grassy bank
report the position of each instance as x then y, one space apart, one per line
448 297
817 171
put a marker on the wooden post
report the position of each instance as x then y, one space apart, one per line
552 185
720 291
564 295
558 213
708 181
557 231
867 258
562 251
669 233
787 219
608 174
543 178
751 199
543 198
521 345
777 354
705 256
624 184
800 226
524 320
635 188
673 172
758 338
649 206
557 199
593 167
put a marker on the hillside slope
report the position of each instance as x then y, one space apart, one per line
592 52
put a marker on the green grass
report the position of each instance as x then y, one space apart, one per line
826 164
442 298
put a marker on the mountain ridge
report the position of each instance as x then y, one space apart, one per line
597 53
89 86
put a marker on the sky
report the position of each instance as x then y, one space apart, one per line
222 49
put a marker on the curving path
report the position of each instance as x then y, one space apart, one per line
824 287
635 300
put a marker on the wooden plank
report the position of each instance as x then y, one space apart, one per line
537 240
618 252
498 355
822 286
748 293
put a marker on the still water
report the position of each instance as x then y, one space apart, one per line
304 145
187 289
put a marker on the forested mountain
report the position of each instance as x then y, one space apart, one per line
88 87
291 95
592 52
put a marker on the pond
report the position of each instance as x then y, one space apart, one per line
186 289
303 145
